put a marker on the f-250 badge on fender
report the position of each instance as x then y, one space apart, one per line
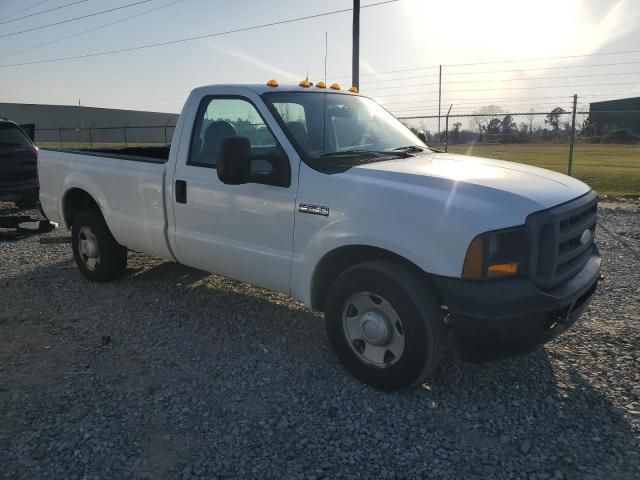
314 209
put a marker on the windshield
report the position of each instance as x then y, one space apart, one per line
330 125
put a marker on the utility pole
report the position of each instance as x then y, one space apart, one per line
326 52
355 65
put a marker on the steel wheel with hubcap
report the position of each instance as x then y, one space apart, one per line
385 324
373 329
89 248
98 256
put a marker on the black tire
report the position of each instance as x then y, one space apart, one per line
422 324
112 257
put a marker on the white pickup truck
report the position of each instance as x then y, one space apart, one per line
323 195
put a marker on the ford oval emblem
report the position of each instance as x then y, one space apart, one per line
585 237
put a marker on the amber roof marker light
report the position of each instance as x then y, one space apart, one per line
335 86
353 90
272 83
320 85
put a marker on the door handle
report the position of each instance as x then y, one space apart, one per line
181 191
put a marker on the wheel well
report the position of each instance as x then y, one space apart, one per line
77 200
337 261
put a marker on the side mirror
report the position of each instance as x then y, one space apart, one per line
233 162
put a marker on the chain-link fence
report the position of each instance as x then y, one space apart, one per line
601 148
95 136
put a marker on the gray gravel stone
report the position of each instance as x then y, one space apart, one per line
203 377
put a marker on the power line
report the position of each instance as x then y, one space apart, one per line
498 100
76 18
517 88
539 59
557 67
90 29
505 108
504 99
24 9
429 67
198 37
482 104
434 67
519 70
491 80
42 11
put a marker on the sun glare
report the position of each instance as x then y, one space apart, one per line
507 29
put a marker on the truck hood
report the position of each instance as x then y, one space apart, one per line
543 187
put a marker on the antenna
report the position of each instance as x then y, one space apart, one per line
326 43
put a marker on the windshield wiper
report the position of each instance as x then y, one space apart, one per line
410 148
365 153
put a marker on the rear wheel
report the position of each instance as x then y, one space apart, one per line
385 325
98 256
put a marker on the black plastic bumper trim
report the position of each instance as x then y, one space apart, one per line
512 314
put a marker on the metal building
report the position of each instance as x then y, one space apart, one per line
67 124
610 115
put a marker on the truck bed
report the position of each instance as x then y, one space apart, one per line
127 184
138 154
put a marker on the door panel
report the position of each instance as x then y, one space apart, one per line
240 231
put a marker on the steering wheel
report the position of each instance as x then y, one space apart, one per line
364 140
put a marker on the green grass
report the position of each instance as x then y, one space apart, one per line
609 169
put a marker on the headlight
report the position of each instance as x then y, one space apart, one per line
501 253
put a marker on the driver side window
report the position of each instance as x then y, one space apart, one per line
221 118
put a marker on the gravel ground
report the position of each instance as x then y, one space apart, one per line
174 373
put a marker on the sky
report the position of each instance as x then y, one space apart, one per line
502 52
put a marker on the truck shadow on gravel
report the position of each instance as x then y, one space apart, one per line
173 373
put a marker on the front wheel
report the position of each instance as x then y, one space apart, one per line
98 256
385 325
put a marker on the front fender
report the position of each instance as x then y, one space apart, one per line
411 243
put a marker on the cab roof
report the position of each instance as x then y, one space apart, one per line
262 88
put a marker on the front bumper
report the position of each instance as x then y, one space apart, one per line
507 316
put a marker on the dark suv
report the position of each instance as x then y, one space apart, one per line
18 171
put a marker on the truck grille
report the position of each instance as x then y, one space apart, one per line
561 240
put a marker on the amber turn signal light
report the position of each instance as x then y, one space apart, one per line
502 269
472 267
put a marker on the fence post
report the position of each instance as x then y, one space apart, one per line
446 131
91 134
439 100
60 134
573 133
125 134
